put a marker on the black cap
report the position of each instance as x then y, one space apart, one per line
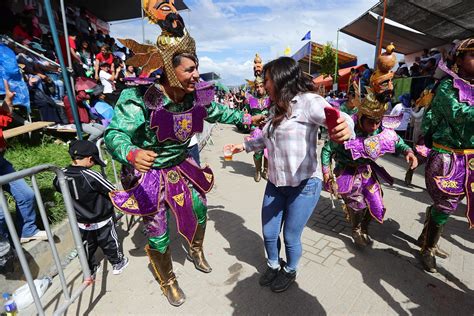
85 148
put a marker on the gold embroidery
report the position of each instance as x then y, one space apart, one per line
372 189
367 174
471 163
179 199
173 176
449 184
208 177
131 203
472 187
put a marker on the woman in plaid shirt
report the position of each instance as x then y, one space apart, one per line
294 179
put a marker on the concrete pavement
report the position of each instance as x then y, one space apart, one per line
335 278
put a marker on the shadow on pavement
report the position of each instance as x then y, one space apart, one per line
249 298
380 267
240 167
232 228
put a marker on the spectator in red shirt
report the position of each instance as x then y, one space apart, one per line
95 130
23 30
105 56
77 64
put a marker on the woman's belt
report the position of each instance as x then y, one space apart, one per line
466 151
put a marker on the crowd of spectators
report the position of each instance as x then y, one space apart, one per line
93 55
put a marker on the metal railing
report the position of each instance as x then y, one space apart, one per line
129 219
69 297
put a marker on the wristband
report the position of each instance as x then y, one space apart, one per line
132 155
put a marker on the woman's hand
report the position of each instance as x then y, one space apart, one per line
258 119
411 160
237 148
341 132
144 160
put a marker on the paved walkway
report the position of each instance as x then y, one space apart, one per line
334 278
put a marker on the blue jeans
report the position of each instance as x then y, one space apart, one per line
59 95
288 208
25 203
193 151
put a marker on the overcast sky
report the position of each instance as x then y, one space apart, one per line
228 33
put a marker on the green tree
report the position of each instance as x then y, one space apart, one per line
325 58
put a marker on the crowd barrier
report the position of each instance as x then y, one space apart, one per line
32 172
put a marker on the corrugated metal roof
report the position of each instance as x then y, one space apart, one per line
405 41
446 19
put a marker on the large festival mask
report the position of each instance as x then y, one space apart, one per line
173 40
381 80
165 15
375 103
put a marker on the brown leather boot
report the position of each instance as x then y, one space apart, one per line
433 233
364 226
258 169
439 252
356 220
265 168
196 253
163 267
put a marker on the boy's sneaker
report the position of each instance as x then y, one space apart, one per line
40 235
119 267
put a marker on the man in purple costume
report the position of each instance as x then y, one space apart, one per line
357 174
448 127
150 133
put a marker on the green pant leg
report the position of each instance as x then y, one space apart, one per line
258 155
161 242
438 217
199 207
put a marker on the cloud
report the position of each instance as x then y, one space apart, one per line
232 71
229 33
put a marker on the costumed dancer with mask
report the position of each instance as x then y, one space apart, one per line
150 133
351 105
259 104
357 174
448 127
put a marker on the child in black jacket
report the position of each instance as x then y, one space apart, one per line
94 210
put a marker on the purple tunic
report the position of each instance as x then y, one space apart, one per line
175 126
144 198
374 146
450 177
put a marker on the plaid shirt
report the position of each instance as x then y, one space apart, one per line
292 146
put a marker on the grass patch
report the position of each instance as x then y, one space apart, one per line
47 151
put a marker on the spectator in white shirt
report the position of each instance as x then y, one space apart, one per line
107 78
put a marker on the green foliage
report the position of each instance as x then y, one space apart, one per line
326 59
49 151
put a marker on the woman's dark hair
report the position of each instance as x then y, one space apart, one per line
288 80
